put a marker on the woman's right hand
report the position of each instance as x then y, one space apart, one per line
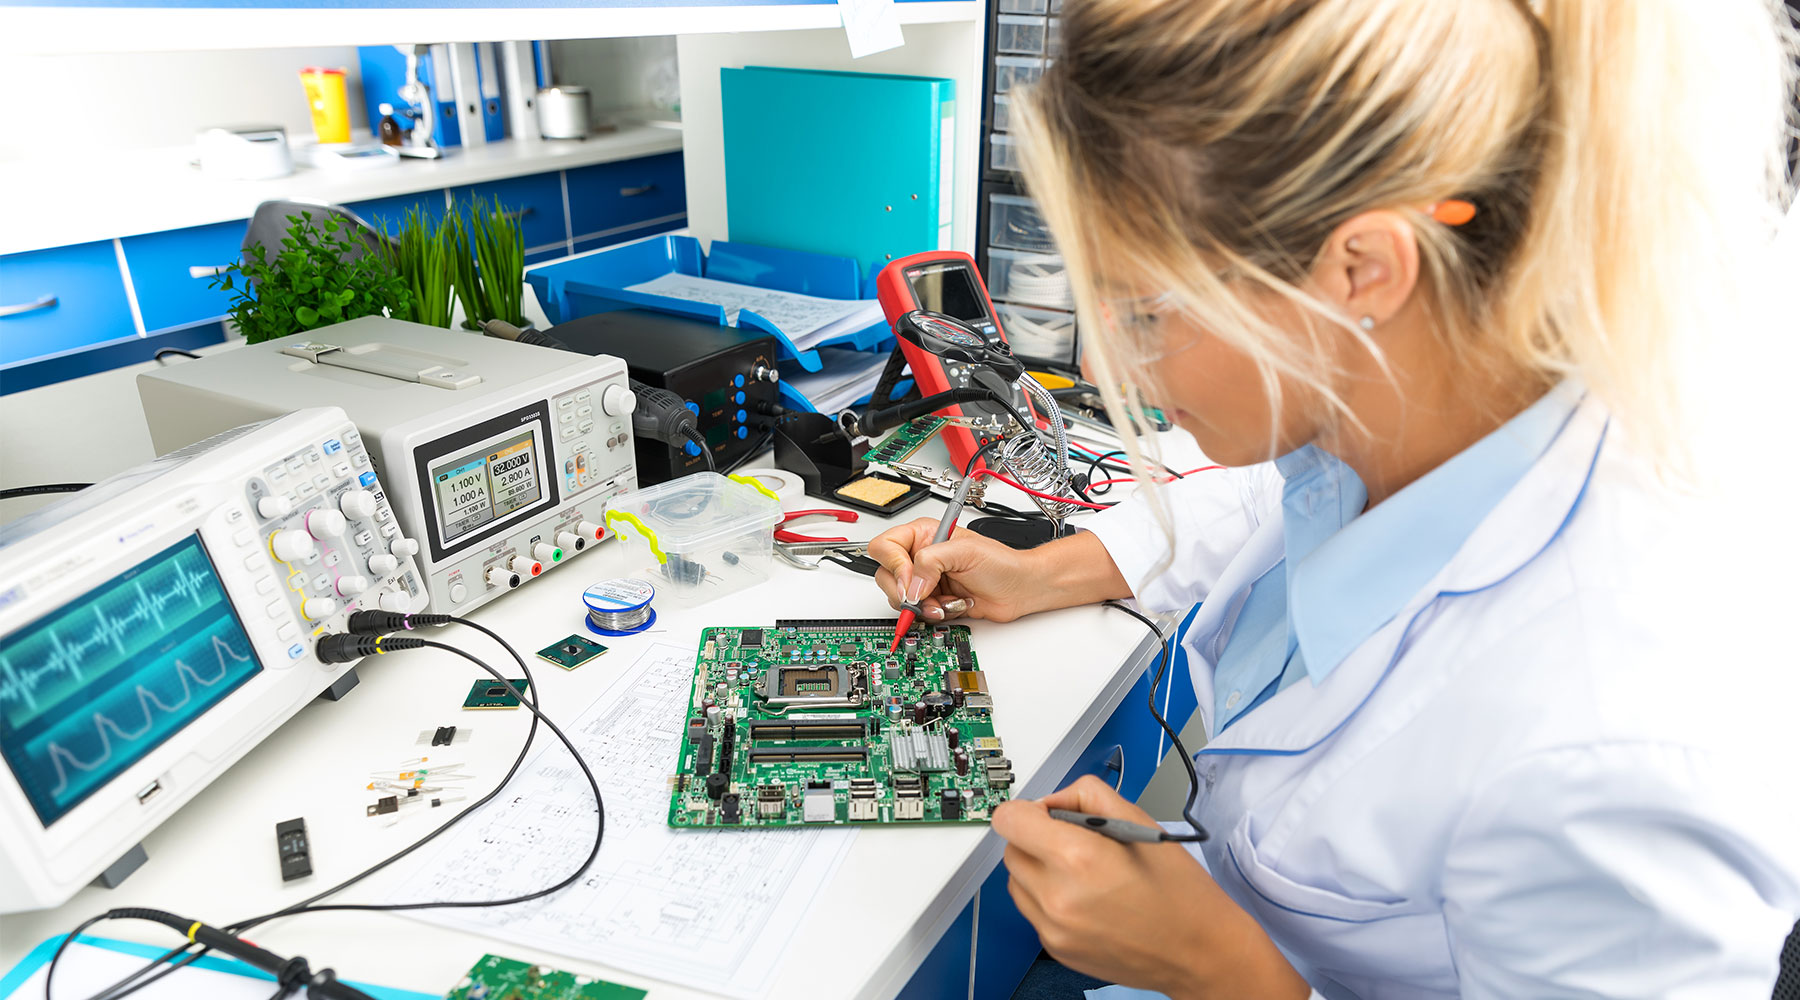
989 579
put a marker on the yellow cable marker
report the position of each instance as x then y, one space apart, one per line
193 929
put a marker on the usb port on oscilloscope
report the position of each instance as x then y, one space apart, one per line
149 792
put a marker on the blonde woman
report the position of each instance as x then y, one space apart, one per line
1421 273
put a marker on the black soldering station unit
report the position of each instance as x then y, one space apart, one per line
727 374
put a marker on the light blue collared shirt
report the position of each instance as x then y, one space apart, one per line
1345 573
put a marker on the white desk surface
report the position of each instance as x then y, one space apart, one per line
1055 679
78 199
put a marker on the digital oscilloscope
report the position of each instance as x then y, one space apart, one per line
500 456
157 626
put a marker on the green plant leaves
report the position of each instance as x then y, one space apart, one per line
321 274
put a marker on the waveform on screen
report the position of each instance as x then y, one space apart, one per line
105 727
100 631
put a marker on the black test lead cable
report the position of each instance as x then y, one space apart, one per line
1187 759
371 624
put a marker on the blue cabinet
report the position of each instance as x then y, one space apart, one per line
62 299
536 201
168 293
390 212
608 198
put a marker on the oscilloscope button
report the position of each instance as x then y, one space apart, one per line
265 585
457 593
274 506
289 545
381 564
404 547
364 537
316 608
286 631
350 586
357 503
296 651
394 600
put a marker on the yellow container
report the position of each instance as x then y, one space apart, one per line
330 105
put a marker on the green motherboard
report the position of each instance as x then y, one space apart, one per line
497 978
906 439
814 722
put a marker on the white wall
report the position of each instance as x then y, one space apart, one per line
68 105
952 50
621 74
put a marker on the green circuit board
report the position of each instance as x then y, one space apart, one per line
906 440
814 723
497 978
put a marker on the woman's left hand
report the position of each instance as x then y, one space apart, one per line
1143 915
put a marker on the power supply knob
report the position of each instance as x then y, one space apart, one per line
524 566
764 373
381 564
616 401
393 600
404 547
358 504
500 576
325 523
274 506
290 545
350 586
546 553
316 608
590 531
570 541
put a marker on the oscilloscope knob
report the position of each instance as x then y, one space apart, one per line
616 401
274 506
325 522
316 608
404 547
350 586
358 504
290 545
381 564
393 600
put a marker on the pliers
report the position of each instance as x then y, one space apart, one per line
853 556
784 535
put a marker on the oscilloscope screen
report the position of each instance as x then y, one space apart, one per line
87 691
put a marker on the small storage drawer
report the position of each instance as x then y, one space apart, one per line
1053 37
1003 152
610 197
170 271
1056 6
1124 752
1019 33
1038 7
1029 279
391 212
1012 72
1002 112
1039 333
60 300
1015 222
535 201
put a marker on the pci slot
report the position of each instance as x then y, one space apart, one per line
765 730
808 755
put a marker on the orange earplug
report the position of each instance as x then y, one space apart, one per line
1451 211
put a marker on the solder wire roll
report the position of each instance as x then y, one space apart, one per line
619 607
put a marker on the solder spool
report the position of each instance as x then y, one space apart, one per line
619 607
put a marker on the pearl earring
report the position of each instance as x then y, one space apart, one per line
1367 323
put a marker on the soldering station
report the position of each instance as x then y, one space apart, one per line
276 675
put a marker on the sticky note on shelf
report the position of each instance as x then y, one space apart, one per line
871 26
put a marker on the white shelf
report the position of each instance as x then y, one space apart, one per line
57 203
49 30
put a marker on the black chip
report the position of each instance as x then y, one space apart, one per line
750 638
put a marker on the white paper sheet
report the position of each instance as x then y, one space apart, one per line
846 377
871 26
655 901
806 319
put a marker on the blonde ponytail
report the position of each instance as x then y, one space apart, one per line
1622 154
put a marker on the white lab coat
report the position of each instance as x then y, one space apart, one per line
1545 777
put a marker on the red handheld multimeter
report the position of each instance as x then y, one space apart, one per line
945 281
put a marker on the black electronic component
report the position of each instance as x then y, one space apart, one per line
953 736
962 762
728 808
950 804
490 693
728 373
727 746
807 754
716 783
763 730
703 754
444 736
750 638
296 853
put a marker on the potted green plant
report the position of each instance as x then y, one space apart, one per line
490 272
320 275
424 253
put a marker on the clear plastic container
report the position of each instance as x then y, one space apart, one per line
1016 71
1003 152
1032 279
1038 333
1024 6
1002 112
1019 33
1056 6
698 537
1053 36
1014 221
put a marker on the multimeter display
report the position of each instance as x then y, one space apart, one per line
487 484
948 289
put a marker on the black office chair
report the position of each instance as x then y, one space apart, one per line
1787 981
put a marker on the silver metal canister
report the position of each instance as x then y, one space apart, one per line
562 112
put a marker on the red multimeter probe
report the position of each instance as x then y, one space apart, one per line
945 281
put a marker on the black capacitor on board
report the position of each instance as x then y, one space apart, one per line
703 754
918 713
962 762
716 783
953 736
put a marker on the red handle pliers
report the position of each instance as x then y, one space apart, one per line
784 535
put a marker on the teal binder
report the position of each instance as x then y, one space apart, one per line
854 164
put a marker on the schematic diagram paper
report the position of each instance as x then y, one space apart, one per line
710 910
